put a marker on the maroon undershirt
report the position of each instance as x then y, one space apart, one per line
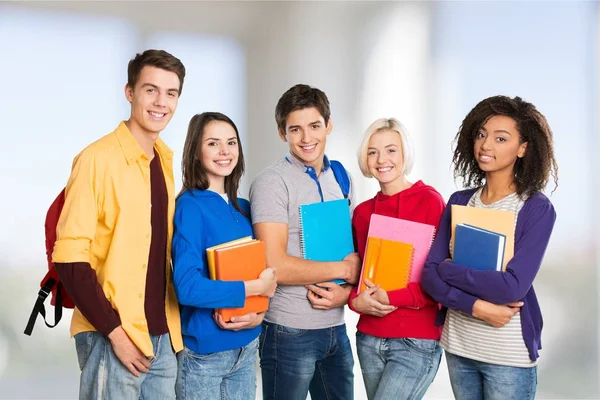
81 282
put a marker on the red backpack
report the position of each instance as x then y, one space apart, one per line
51 282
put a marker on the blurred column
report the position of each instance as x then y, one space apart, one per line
396 65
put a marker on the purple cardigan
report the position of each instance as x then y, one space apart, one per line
458 287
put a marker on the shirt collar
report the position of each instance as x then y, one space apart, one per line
133 151
290 158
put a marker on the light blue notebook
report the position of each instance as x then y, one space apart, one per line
326 231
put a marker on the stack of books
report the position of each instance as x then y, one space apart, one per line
396 252
239 260
482 238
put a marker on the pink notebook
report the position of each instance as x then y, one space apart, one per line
400 230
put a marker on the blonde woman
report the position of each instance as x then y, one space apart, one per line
397 339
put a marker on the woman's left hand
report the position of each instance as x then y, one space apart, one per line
247 321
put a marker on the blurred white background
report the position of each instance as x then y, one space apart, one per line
63 65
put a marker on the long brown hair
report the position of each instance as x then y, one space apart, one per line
193 172
532 172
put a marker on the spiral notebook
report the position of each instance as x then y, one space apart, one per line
326 231
401 230
387 263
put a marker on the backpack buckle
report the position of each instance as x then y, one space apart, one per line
46 289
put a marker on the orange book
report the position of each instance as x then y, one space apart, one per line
241 262
210 253
387 263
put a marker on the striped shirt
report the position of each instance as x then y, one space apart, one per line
469 337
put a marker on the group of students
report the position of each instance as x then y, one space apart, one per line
146 328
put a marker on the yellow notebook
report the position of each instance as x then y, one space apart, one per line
210 253
386 263
498 221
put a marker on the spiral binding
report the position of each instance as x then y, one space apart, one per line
300 223
411 258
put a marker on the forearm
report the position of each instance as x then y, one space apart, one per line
492 286
292 270
353 295
448 295
412 297
81 282
197 291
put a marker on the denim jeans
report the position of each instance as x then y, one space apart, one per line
296 361
226 375
397 368
103 376
476 380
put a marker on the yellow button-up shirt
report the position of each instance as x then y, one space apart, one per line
106 223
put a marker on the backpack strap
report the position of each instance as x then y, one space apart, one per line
341 176
38 307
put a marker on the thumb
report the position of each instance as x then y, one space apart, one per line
372 289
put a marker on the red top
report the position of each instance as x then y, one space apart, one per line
416 313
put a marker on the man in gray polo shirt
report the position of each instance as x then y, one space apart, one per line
303 345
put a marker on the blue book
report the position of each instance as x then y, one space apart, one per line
326 231
478 248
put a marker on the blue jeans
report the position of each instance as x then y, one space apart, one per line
227 375
397 368
103 376
296 361
476 380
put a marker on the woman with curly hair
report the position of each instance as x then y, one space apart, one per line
492 327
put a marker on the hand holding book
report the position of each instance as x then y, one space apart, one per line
327 295
238 323
353 265
368 301
265 285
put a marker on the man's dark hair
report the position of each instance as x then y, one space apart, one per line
154 58
300 97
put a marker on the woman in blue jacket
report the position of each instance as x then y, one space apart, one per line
504 153
219 358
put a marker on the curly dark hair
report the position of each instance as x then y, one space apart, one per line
532 172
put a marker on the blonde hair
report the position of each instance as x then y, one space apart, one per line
381 125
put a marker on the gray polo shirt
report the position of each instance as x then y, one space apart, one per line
275 196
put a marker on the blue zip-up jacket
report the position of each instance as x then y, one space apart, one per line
204 219
458 287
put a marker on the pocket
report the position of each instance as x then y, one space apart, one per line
187 353
291 332
261 338
84 342
428 346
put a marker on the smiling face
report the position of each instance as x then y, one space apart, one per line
385 160
219 152
497 145
306 134
153 100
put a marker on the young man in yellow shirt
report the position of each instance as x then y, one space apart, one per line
113 247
